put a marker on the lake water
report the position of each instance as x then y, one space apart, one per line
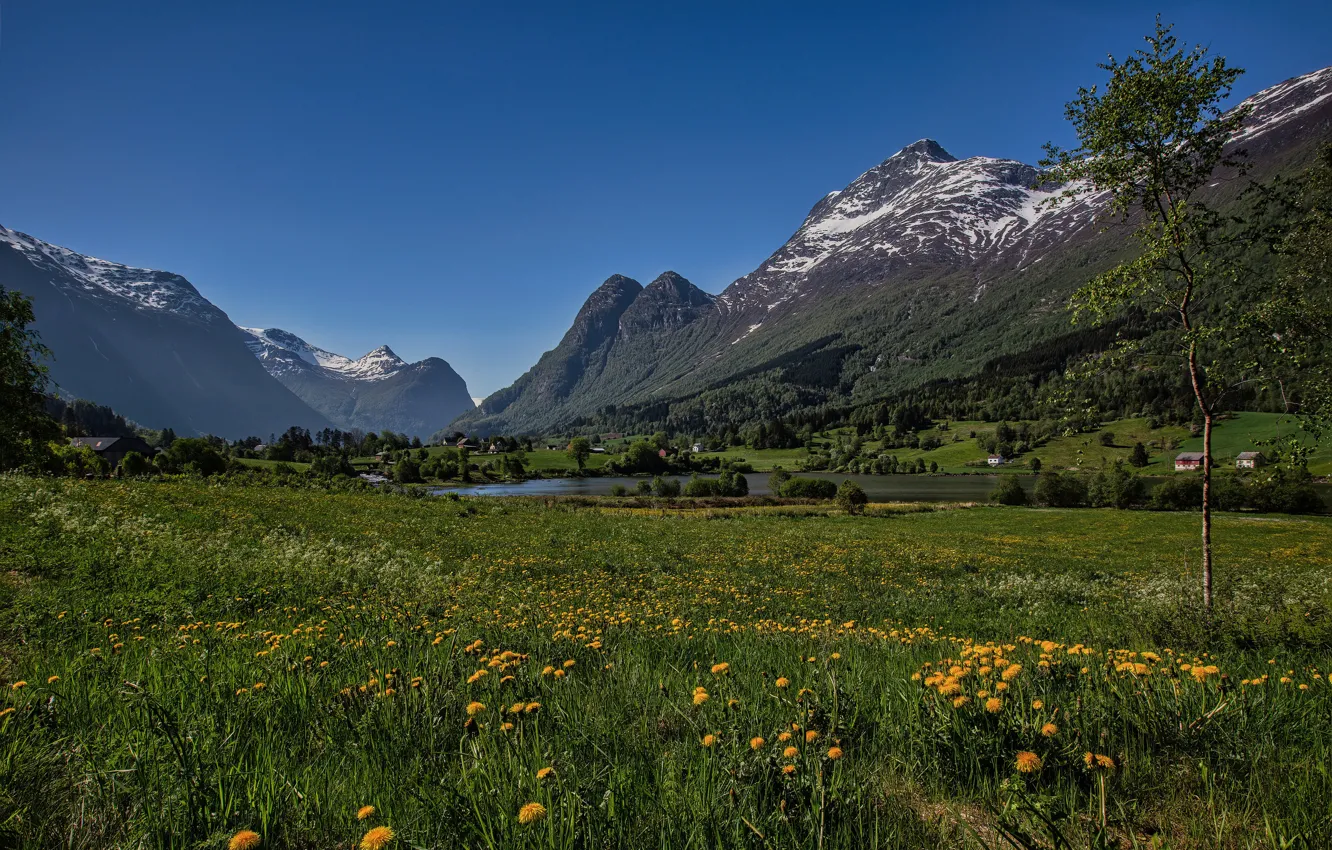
879 488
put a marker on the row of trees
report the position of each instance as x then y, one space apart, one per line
1274 490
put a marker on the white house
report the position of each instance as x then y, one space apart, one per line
996 460
1248 460
698 447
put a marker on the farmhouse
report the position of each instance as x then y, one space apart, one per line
996 460
698 448
1248 460
1185 461
113 449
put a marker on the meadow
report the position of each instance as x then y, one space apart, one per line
191 664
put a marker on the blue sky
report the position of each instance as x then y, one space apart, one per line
454 179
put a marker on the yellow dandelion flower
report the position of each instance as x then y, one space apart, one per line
1011 672
1028 762
558 674
811 736
531 813
959 702
323 663
547 670
506 726
709 740
477 675
259 686
788 769
19 684
365 812
532 707
545 773
569 663
246 839
6 712
834 753
377 838
720 668
52 680
475 708
790 752
782 681
756 742
1049 730
701 697
1037 705
994 705
784 737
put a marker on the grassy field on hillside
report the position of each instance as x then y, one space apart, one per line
181 661
1243 432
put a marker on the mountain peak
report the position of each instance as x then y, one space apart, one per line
668 302
925 149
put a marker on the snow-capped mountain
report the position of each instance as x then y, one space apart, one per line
277 345
1296 104
89 277
375 392
925 266
146 343
920 206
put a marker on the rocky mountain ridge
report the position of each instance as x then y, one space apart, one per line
915 270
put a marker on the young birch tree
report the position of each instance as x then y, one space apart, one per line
1150 142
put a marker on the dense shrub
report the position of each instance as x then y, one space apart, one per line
640 459
1177 494
618 490
135 465
1009 492
809 488
1114 488
732 483
851 497
331 465
191 455
666 488
407 471
1057 490
702 487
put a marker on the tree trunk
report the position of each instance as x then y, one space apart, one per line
1207 511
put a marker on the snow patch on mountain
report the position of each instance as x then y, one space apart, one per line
145 289
919 205
281 351
1285 102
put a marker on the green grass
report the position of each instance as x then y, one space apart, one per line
162 606
1085 452
1246 432
257 463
